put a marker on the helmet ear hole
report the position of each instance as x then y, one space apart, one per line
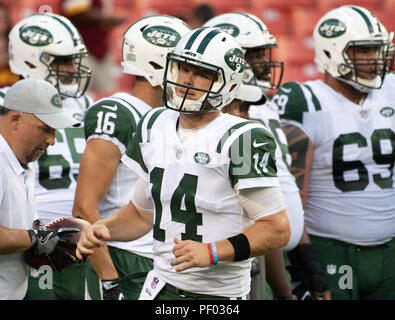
155 65
30 65
328 54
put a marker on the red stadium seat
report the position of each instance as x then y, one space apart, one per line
304 21
295 50
387 18
258 4
278 21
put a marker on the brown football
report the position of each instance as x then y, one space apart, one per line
55 260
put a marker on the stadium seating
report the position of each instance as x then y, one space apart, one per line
295 51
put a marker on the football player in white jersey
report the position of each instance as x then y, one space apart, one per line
212 178
49 47
109 125
266 74
342 133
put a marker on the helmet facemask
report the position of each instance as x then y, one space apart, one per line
365 74
183 97
71 84
261 69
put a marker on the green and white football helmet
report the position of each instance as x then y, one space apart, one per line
146 44
253 36
216 53
349 27
42 40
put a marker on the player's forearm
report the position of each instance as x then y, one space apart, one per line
301 149
275 274
13 240
267 234
128 224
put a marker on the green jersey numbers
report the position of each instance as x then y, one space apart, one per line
186 191
54 169
252 155
383 147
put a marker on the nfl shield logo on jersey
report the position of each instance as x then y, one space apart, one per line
331 269
154 282
364 113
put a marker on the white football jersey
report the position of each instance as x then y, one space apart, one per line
351 190
115 119
268 115
194 185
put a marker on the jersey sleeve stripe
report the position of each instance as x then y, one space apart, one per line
139 168
316 103
234 132
237 134
136 115
127 104
106 137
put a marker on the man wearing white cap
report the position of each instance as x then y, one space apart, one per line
31 114
49 47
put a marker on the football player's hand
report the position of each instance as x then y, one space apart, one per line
190 254
93 236
111 290
45 241
318 287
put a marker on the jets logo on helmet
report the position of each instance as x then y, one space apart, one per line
161 36
36 36
337 36
234 58
146 44
332 28
229 28
42 45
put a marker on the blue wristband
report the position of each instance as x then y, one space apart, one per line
214 252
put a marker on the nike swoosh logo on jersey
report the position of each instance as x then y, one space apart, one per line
286 90
257 145
113 108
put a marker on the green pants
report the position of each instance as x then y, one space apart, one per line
357 272
132 270
68 284
170 292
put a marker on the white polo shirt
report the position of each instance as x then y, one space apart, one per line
17 211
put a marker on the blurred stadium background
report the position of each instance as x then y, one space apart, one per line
291 21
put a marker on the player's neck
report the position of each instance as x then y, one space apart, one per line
147 93
193 121
346 90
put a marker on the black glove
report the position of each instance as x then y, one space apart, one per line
306 273
45 241
112 290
